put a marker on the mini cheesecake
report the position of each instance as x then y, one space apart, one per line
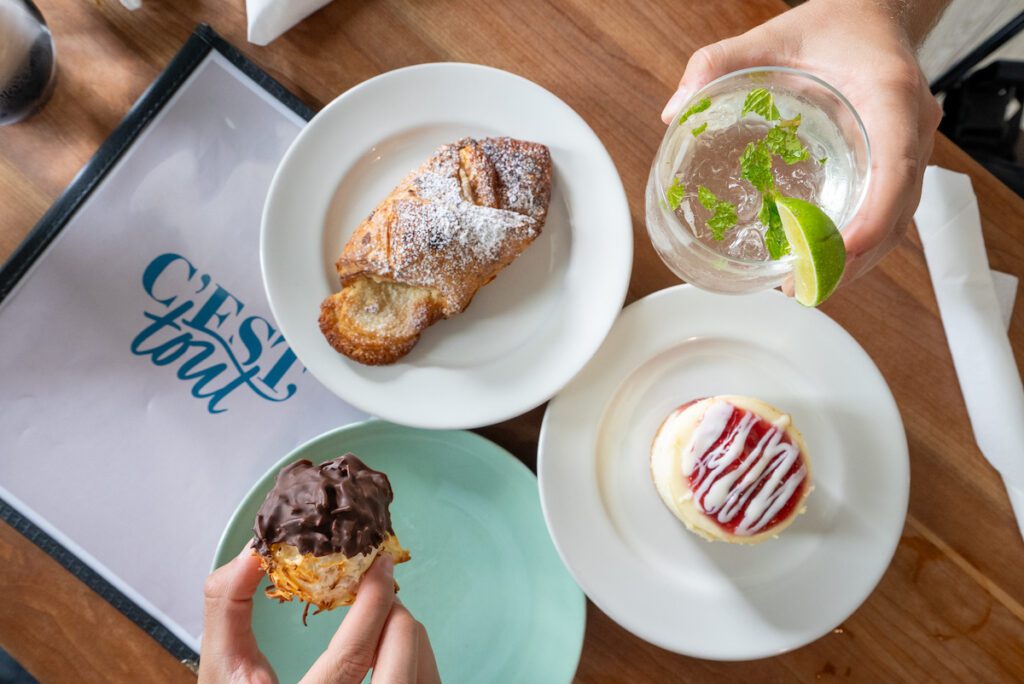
732 468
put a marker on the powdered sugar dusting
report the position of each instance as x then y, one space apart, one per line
436 187
453 224
521 176
443 240
447 246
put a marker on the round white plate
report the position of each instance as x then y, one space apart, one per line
527 333
637 562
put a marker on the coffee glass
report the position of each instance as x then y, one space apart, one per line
28 62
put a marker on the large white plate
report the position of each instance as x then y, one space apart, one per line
527 333
633 557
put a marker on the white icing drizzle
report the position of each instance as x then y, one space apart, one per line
724 495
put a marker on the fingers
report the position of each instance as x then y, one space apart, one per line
788 287
857 266
426 666
398 653
405 655
901 130
896 167
227 610
350 654
718 59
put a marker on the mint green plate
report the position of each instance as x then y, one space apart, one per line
484 578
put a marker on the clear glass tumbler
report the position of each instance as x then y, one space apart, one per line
27 60
705 149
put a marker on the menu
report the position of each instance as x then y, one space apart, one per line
144 386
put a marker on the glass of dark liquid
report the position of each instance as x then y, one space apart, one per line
27 64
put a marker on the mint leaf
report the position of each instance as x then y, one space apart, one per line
724 216
775 240
706 197
697 108
723 219
756 166
760 101
784 143
782 140
674 194
699 129
823 160
764 214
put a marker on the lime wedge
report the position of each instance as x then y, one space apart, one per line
818 248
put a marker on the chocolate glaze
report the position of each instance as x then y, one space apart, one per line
340 505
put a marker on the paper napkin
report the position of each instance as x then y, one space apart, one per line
975 323
1006 293
268 19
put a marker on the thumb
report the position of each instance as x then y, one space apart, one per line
227 611
714 60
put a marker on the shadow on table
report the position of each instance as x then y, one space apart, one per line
13 673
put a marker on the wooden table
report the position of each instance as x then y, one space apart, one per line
951 606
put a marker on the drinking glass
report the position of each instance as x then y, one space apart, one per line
27 60
705 150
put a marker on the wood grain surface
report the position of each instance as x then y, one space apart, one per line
951 606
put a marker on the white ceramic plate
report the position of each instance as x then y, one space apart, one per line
637 562
527 333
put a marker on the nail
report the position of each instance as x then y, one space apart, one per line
787 286
675 103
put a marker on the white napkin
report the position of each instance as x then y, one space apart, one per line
975 323
268 19
1006 293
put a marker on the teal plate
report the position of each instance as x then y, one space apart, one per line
484 578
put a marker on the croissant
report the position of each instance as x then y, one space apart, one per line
447 230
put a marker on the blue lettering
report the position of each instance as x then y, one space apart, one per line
159 322
277 371
156 269
211 309
252 341
201 365
203 376
216 396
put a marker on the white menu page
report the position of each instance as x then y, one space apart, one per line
144 386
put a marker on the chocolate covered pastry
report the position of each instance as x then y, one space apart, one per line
321 527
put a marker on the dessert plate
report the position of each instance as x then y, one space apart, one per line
637 562
484 578
527 333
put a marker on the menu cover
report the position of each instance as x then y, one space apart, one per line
144 386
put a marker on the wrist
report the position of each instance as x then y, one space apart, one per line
916 18
912 20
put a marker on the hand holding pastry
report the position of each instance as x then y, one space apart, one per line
229 652
324 536
378 633
321 527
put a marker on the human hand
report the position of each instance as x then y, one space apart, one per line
377 633
865 50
